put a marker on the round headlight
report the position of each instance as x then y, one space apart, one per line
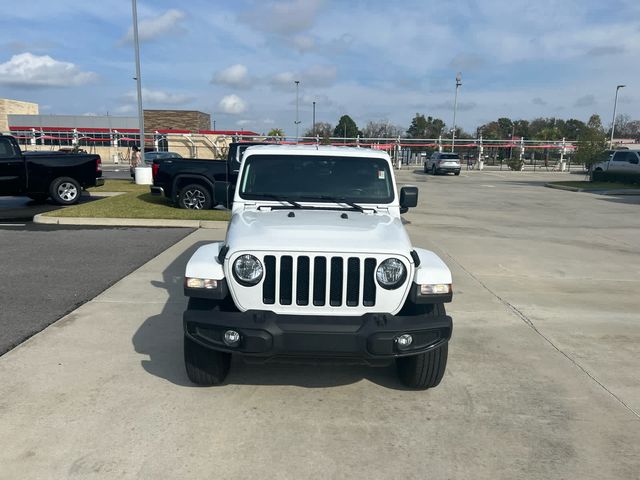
247 269
391 273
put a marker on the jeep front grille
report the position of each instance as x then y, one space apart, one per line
334 281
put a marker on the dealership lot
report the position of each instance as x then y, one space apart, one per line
542 380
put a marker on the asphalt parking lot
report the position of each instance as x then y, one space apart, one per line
543 379
50 271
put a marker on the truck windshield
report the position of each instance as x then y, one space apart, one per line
317 178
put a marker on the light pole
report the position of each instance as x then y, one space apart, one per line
136 47
297 122
455 107
615 106
313 125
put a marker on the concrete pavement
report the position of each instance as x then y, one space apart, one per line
542 379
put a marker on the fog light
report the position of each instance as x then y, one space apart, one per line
231 338
404 341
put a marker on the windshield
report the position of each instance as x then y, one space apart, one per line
317 178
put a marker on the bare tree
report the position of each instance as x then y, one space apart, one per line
382 129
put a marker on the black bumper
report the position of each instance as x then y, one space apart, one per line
99 181
266 334
157 190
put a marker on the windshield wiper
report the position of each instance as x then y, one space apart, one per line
355 206
278 198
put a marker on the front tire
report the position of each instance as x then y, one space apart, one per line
204 366
65 191
424 370
195 197
434 171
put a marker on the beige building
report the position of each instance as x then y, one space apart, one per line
14 107
190 120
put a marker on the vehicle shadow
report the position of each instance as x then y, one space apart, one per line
160 338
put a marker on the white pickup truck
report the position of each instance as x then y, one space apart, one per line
317 263
620 163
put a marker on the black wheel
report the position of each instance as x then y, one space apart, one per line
65 191
433 169
456 173
424 370
38 197
195 197
204 366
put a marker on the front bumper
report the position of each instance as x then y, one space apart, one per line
368 337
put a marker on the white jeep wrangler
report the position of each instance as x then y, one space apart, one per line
316 263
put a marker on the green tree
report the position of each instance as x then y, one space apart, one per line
593 143
276 132
429 127
346 127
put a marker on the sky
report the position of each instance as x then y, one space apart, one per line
373 60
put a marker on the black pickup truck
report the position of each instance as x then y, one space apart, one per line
39 175
199 184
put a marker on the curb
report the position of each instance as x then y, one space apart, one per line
624 191
129 222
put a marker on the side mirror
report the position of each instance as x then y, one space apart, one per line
408 198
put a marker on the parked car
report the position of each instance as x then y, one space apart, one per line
149 157
61 176
199 184
441 162
620 163
317 263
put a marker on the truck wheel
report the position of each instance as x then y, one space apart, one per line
65 191
204 366
194 197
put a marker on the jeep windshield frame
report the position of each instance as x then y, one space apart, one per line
352 180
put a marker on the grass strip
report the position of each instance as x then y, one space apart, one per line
586 185
136 202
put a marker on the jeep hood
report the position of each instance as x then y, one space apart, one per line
317 231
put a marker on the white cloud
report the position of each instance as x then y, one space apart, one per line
33 71
150 28
234 76
316 76
303 43
244 123
125 109
232 104
159 97
283 17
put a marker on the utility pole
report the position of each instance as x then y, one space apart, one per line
297 122
615 107
313 125
136 47
455 108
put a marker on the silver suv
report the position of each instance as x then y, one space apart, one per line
441 162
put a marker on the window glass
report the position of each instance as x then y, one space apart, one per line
307 178
6 149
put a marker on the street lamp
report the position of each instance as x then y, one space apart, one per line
313 125
297 122
136 47
455 107
615 106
